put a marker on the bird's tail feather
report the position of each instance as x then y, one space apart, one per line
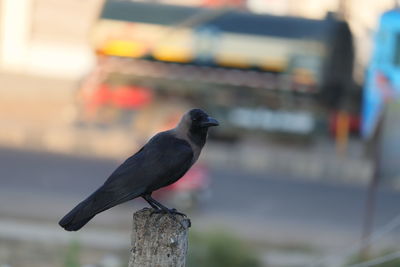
76 219
99 201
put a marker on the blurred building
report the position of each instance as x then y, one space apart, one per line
34 34
46 37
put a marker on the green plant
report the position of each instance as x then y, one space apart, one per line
393 263
390 263
72 255
220 249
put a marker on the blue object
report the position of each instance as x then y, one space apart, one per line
383 75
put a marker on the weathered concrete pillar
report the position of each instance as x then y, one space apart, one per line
159 240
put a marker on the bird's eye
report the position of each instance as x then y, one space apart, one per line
196 119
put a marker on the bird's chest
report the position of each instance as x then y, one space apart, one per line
196 155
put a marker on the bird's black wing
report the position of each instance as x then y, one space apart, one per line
162 161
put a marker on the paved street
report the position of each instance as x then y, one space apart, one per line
42 186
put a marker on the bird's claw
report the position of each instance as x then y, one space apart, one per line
156 211
171 213
174 211
189 223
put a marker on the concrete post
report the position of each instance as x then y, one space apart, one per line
159 240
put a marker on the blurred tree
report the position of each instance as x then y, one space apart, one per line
220 249
72 255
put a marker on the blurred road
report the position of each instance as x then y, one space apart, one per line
41 186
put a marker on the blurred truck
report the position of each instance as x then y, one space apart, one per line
259 74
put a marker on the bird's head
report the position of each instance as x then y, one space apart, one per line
196 122
197 119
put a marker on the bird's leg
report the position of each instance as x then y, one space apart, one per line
148 199
160 208
164 208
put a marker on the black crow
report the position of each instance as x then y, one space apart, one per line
165 158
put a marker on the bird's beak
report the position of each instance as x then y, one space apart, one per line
209 122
